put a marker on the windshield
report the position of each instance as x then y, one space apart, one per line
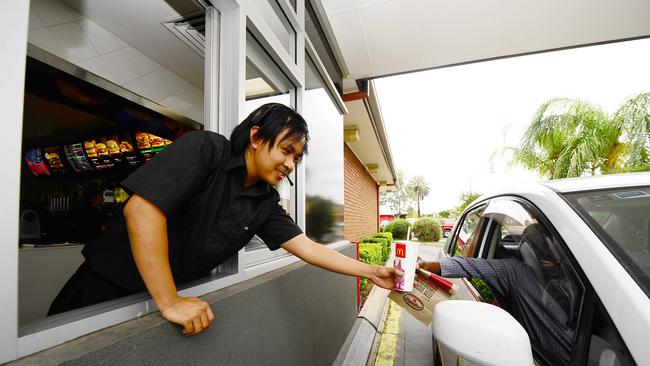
621 218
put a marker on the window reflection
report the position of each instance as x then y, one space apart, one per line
277 21
324 164
265 83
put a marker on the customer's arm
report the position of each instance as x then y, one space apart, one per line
500 274
326 258
147 228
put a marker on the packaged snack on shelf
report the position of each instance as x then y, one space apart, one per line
34 159
79 155
53 160
72 160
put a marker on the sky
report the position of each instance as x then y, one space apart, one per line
446 124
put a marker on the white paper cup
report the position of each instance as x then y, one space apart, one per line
406 257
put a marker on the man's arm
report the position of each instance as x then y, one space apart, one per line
500 274
147 228
326 258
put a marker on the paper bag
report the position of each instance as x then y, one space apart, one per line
425 295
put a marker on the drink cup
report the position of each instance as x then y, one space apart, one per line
406 257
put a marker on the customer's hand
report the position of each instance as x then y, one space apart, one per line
384 276
192 313
433 266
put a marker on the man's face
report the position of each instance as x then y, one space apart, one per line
275 163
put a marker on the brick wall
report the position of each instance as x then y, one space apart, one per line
361 195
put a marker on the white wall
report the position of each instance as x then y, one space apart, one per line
13 44
57 28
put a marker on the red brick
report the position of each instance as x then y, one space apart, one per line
360 212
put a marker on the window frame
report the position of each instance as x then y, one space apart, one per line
224 96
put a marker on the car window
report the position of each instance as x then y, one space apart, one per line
621 219
465 241
605 342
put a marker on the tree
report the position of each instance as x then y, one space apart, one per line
419 189
320 217
571 138
634 118
465 199
399 200
445 214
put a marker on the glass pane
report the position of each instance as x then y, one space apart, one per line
265 83
118 91
621 218
316 35
466 240
277 21
324 163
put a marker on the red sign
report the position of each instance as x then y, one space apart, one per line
400 250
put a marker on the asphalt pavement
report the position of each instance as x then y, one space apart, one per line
405 341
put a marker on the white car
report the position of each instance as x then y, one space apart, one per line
579 286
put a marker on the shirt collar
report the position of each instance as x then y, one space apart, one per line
236 162
260 188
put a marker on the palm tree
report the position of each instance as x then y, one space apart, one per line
634 118
419 188
570 138
560 139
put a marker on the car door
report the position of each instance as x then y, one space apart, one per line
511 256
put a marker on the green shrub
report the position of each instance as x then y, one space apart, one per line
386 234
385 246
398 228
427 229
370 253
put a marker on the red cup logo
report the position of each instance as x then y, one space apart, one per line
400 250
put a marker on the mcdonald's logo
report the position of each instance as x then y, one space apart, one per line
400 250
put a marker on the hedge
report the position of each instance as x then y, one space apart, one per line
371 253
386 234
385 246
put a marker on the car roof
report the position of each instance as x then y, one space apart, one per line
571 185
599 182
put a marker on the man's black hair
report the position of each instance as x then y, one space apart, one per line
272 119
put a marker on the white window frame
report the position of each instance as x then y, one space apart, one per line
230 26
226 26
259 261
14 45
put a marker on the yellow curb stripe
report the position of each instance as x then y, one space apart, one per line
390 337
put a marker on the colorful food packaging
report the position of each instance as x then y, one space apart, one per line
112 144
72 160
93 154
89 145
34 159
142 139
78 152
156 141
128 152
53 159
100 147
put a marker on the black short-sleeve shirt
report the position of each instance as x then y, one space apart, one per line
199 186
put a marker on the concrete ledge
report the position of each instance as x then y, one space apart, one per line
356 349
283 317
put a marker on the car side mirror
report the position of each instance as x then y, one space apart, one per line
480 334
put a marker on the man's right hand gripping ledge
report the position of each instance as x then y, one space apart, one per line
147 228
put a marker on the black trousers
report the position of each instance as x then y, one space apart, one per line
85 288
